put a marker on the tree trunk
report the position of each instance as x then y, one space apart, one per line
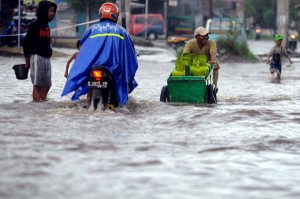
283 20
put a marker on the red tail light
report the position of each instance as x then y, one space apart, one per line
97 74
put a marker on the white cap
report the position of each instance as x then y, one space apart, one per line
201 31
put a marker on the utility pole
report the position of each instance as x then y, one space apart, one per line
211 13
19 23
146 18
283 19
166 18
127 14
120 19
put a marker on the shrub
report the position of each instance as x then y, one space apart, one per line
229 46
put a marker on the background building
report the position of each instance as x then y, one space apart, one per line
181 16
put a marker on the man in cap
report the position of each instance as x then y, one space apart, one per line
201 45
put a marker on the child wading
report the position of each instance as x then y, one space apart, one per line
37 50
276 53
72 58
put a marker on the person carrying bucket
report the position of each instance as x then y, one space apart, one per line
275 56
201 45
37 50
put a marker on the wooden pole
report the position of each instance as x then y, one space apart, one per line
19 22
283 19
146 18
120 19
211 14
127 15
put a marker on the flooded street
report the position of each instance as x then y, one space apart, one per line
246 146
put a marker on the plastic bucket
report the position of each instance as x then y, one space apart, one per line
20 71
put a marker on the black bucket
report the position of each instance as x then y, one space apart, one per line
20 71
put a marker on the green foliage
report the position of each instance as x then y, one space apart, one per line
293 12
264 12
229 46
268 17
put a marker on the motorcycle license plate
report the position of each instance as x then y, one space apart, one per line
98 84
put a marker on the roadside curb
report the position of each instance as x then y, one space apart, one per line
64 43
18 51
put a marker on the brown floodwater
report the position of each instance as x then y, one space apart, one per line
246 146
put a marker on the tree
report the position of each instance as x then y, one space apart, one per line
293 12
264 12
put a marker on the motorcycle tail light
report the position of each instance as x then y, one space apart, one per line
97 74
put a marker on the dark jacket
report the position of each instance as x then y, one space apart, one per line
37 39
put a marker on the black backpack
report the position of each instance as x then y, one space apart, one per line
276 56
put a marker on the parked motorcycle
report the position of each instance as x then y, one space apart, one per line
102 89
292 42
178 42
9 36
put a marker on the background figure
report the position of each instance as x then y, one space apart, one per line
276 53
72 58
257 32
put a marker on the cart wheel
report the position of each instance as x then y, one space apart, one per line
164 95
211 94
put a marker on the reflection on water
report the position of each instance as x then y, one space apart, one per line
246 146
275 80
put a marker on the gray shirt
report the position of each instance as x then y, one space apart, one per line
280 50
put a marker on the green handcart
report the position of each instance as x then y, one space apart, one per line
190 88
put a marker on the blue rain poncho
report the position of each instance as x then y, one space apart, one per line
105 44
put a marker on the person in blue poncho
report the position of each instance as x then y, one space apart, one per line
105 44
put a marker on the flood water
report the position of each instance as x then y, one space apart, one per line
246 146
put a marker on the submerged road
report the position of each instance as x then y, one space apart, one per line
246 146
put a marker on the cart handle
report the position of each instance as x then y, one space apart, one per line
210 74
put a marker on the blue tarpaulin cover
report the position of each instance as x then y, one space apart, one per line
105 44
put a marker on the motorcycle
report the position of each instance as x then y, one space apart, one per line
292 42
101 88
9 36
179 41
257 33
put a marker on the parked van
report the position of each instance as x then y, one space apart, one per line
221 26
155 25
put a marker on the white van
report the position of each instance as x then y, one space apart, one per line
221 26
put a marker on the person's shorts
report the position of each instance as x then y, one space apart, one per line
277 67
40 71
